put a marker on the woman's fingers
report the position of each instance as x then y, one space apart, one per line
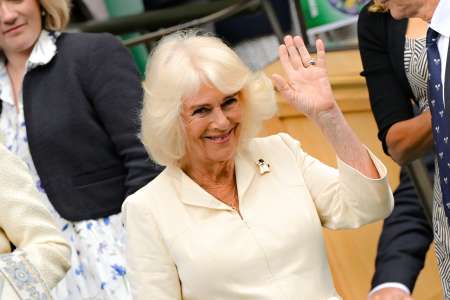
280 83
294 55
320 53
304 54
284 59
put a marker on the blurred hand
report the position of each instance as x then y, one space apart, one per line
306 87
390 294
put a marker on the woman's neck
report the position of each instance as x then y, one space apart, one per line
417 28
211 175
16 61
15 65
218 180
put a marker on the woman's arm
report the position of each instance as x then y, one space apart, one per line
410 139
308 89
41 258
114 87
403 136
343 198
152 272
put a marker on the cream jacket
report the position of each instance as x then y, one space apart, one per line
185 244
41 257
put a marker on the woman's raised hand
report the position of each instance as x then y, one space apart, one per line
306 87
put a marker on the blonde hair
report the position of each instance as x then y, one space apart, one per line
57 14
178 66
377 7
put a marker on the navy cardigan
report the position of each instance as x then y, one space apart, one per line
82 120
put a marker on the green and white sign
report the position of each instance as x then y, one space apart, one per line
325 15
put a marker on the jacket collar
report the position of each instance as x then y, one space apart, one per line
193 194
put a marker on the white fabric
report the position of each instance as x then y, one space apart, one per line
183 243
98 262
385 285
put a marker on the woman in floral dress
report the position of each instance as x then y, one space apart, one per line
69 109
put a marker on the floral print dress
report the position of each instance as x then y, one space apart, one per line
98 264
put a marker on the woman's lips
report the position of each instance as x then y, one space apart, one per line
13 29
220 139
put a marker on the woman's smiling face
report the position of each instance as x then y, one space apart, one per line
20 25
212 124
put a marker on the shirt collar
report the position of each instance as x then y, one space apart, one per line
194 195
44 49
440 21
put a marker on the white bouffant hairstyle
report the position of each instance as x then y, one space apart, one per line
180 64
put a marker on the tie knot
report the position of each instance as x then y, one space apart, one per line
432 36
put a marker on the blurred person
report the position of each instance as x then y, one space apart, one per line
233 216
33 254
437 14
394 59
69 110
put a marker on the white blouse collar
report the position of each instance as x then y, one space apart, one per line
44 49
43 52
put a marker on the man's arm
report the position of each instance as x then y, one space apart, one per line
405 238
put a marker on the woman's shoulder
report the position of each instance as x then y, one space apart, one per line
88 37
373 23
280 139
82 43
280 146
366 16
374 28
157 190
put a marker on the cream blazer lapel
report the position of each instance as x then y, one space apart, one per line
191 193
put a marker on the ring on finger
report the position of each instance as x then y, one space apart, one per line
311 62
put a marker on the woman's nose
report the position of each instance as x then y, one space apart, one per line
7 13
220 119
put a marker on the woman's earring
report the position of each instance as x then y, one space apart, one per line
43 13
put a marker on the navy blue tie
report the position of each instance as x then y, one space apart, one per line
439 117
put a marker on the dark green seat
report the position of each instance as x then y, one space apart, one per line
120 8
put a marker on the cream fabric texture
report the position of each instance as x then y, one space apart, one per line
42 255
185 244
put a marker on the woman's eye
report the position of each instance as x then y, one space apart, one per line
229 102
200 111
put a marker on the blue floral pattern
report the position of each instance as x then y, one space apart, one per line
98 264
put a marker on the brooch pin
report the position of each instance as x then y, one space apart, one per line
263 166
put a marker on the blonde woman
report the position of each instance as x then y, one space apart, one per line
69 109
234 216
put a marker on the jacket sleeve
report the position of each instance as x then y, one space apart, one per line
344 198
114 88
152 273
41 257
390 103
405 238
